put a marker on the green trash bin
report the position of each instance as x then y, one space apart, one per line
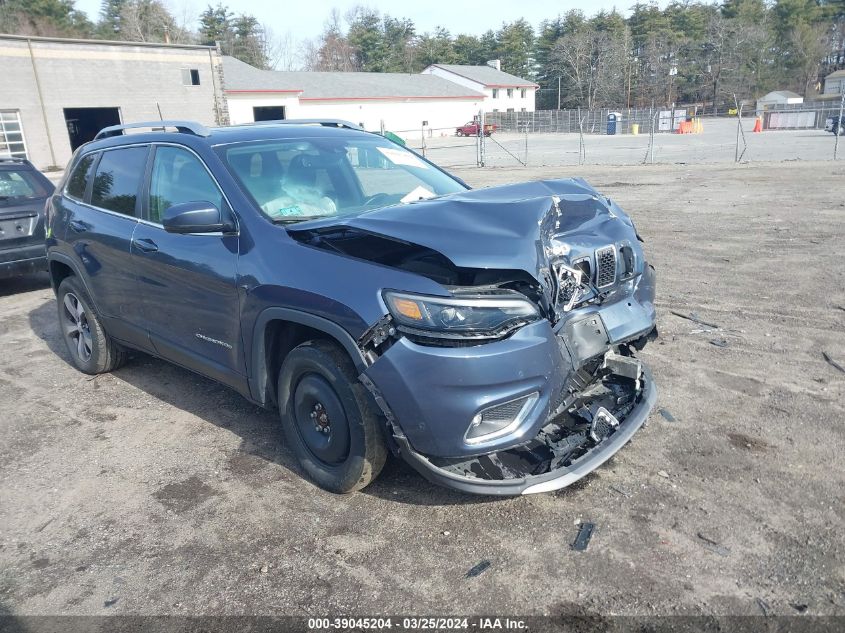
395 138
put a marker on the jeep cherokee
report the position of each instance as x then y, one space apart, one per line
488 336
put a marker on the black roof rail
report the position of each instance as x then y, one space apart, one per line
185 127
323 122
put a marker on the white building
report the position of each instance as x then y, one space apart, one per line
779 98
503 92
834 83
397 102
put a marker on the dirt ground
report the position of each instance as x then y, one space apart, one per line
156 491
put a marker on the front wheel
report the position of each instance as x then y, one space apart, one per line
328 419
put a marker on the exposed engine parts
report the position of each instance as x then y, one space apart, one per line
597 400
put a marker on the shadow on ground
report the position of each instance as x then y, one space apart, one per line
24 283
259 428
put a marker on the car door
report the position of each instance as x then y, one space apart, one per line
188 282
101 202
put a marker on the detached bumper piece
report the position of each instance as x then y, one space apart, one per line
603 406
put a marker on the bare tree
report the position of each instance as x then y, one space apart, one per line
333 50
150 21
592 62
280 50
809 43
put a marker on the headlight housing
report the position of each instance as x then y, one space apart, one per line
461 316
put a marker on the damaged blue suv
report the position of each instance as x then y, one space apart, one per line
488 337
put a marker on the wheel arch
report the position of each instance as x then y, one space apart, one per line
276 332
60 267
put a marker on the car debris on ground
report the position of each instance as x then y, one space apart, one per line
694 318
582 540
479 569
832 362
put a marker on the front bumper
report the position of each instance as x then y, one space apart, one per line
565 475
434 393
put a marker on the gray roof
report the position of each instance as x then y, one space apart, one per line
70 40
239 76
836 74
783 94
487 75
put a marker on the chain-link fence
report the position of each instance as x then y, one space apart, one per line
633 136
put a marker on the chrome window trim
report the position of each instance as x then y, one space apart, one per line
101 151
213 179
152 144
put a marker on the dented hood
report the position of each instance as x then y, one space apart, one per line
510 227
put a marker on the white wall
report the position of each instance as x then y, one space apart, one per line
240 105
401 116
834 86
501 103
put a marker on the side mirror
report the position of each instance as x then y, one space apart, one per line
194 217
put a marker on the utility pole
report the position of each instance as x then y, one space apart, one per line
558 92
839 125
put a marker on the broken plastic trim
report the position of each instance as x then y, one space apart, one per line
374 341
563 450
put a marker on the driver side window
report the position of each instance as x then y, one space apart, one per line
179 176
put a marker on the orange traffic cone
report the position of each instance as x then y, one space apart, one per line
758 124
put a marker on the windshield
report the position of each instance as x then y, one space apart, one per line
293 180
19 184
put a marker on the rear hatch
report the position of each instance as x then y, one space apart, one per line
22 200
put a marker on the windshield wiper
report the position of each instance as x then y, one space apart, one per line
295 219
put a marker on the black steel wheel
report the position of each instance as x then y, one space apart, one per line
328 417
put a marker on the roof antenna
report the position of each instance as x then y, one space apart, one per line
160 118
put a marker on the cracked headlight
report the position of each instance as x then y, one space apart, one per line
476 316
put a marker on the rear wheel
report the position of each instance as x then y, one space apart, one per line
91 349
328 419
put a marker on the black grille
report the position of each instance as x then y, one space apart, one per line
506 411
605 266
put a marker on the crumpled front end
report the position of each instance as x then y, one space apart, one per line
545 402
600 414
570 397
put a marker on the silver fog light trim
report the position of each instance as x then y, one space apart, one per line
500 419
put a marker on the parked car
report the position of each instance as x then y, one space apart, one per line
23 193
488 336
471 129
833 125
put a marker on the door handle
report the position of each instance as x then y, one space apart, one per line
78 226
145 244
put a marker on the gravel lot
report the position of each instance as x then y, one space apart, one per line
156 491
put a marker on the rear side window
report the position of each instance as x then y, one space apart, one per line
78 181
118 179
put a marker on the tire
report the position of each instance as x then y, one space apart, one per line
459 133
90 347
318 388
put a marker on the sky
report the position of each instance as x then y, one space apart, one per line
304 20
